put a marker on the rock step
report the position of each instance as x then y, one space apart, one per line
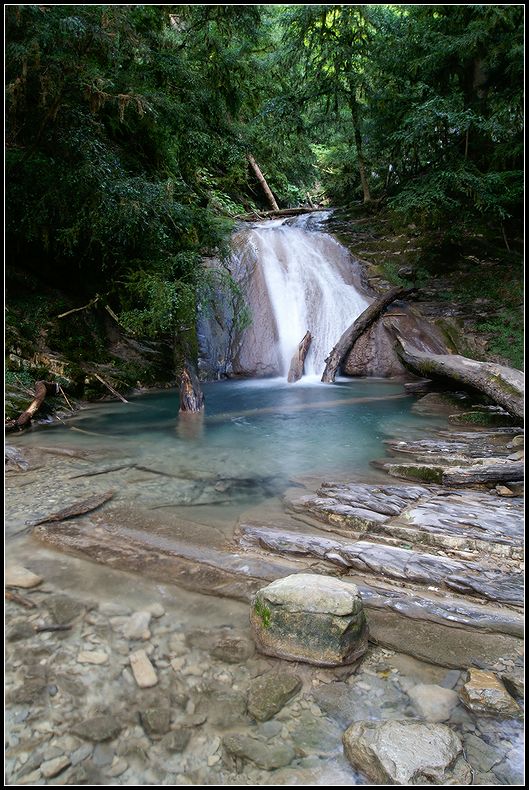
470 578
447 631
452 520
490 471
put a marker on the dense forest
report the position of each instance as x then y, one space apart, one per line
130 132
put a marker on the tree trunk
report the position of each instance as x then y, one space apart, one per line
191 396
360 150
282 212
42 389
298 360
351 335
505 386
262 181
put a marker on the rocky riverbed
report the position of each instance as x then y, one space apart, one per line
114 675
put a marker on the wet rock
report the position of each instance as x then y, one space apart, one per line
176 740
481 755
20 630
92 657
81 753
155 721
118 767
406 753
29 691
18 576
311 618
223 707
63 609
14 459
433 702
485 694
514 681
233 650
142 669
268 755
98 728
270 693
103 754
137 626
315 736
52 768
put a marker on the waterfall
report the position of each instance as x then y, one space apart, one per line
294 278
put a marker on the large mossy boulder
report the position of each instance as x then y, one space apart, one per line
407 753
307 617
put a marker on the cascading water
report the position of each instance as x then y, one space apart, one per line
309 282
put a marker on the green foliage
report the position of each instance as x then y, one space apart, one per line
263 611
506 332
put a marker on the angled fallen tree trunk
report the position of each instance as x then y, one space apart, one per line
191 396
42 390
503 385
362 323
262 180
298 360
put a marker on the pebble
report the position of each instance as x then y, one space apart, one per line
18 576
51 768
81 753
178 663
30 779
92 657
118 767
142 669
213 760
156 609
137 626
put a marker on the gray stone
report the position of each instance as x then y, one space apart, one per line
98 728
233 650
266 755
52 768
177 739
223 707
156 721
434 703
63 609
451 679
315 736
137 626
311 618
270 693
29 691
481 755
484 693
406 753
81 753
20 630
103 754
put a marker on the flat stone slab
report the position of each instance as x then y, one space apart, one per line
407 753
18 576
269 693
311 618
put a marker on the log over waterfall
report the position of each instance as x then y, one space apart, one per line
298 360
357 328
505 386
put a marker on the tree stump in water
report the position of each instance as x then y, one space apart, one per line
191 395
298 360
42 390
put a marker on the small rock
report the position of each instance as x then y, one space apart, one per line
103 754
270 693
213 759
118 767
156 609
92 657
142 669
30 779
178 663
484 693
267 756
312 618
451 679
434 703
63 609
20 630
406 753
176 740
98 728
481 755
81 753
53 767
155 721
517 441
137 626
504 491
18 576
112 609
224 708
234 650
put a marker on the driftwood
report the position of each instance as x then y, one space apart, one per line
505 386
298 360
77 509
357 328
109 387
42 390
10 595
191 396
262 180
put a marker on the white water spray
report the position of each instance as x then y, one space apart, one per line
309 282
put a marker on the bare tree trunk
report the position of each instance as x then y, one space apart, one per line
351 335
360 150
42 389
262 181
191 396
298 360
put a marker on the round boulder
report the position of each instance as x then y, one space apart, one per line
312 618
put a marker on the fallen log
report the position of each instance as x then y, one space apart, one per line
282 212
298 360
262 180
110 387
191 396
77 509
42 390
503 385
357 328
